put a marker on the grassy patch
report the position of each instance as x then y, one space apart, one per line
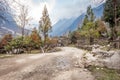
2 56
104 73
54 50
72 45
33 52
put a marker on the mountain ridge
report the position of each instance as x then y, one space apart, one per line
7 23
77 22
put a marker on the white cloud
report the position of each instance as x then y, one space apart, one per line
68 10
35 8
72 8
59 9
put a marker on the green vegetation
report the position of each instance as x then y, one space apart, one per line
20 44
2 56
91 29
37 40
104 73
112 16
27 43
102 31
109 12
45 26
35 51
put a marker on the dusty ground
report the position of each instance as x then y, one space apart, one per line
64 65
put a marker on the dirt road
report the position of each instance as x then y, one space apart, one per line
62 65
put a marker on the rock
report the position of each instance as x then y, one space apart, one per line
113 61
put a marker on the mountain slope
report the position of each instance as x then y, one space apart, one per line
67 25
8 25
61 26
98 11
7 22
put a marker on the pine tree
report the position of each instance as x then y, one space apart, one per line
109 11
45 25
88 28
112 16
89 19
85 20
90 14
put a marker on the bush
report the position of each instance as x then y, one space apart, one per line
5 40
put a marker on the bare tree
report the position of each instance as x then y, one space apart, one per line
22 18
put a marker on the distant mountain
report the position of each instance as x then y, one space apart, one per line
98 11
61 26
7 23
68 25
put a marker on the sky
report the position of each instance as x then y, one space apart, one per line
59 9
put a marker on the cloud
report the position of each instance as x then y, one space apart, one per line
72 8
59 9
69 8
37 8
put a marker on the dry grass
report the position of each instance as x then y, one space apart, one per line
2 56
104 73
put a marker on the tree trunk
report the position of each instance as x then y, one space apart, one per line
42 50
91 40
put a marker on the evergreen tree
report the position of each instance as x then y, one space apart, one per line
85 20
45 25
88 28
112 16
109 11
89 19
90 14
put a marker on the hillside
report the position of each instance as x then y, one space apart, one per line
67 25
7 23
